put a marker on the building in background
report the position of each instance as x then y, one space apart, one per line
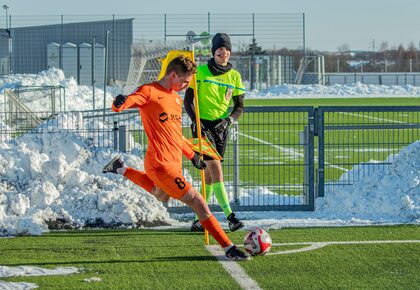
4 52
29 53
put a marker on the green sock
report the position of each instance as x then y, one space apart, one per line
209 192
222 197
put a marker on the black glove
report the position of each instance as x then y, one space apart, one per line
197 161
119 100
194 129
223 124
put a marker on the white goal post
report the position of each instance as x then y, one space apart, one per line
146 60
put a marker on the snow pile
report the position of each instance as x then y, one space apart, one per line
318 91
78 98
384 195
54 180
51 77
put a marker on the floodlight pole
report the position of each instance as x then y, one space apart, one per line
5 7
105 70
93 65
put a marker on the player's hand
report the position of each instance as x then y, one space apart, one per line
194 129
223 124
198 162
119 100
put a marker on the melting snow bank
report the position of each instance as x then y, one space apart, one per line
78 98
30 271
318 91
54 180
382 196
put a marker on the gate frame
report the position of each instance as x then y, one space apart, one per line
321 128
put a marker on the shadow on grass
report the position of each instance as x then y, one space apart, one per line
152 260
114 233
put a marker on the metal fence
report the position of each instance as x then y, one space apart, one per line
267 162
269 30
355 142
251 34
278 158
389 79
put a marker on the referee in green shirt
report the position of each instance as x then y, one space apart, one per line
217 84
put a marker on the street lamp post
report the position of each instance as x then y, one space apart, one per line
9 69
5 7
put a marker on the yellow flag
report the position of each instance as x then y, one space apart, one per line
170 56
206 147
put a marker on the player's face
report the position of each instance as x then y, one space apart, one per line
222 55
180 82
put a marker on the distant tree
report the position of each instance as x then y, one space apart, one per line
400 57
411 50
383 46
258 49
344 48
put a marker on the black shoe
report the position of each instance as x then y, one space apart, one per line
234 223
113 165
197 226
235 254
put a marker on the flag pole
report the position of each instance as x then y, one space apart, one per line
198 123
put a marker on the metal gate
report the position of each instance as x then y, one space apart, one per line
354 142
268 164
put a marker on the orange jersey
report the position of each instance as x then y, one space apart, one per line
161 114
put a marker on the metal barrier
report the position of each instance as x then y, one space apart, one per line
384 78
268 162
278 158
119 131
354 142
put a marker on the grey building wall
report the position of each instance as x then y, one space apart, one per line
29 44
4 52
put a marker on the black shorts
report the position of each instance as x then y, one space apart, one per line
218 139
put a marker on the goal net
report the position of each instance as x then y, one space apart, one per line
146 61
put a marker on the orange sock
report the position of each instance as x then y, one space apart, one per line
212 225
140 178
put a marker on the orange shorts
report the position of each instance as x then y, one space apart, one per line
169 180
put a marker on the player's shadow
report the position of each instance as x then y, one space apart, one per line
152 260
184 258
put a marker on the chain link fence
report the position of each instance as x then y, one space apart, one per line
257 39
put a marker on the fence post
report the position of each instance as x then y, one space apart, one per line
122 130
115 129
320 181
304 141
235 138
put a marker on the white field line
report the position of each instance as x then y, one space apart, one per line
282 149
373 118
317 245
289 151
245 282
233 268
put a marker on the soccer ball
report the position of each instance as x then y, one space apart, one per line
257 242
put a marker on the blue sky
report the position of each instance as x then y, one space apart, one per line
329 23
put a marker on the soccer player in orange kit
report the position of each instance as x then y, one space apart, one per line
161 112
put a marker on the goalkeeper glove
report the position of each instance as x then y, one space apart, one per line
223 124
119 100
194 129
197 161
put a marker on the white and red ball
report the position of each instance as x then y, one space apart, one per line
257 242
